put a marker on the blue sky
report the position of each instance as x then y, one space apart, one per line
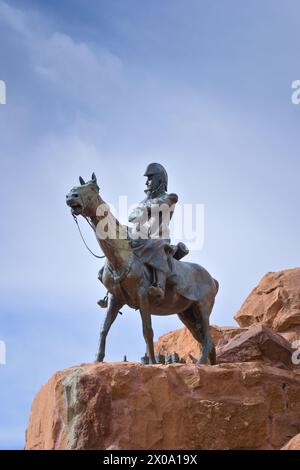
109 86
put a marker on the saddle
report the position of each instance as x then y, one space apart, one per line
174 251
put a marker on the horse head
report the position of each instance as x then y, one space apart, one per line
84 199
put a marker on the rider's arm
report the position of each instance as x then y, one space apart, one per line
138 214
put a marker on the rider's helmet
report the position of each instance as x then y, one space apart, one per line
159 177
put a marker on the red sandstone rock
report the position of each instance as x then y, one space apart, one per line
257 343
182 342
292 335
274 302
293 444
179 406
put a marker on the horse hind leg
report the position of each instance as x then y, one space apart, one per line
202 313
188 319
196 319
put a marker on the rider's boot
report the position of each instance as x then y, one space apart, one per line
158 288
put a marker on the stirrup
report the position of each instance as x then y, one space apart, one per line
103 303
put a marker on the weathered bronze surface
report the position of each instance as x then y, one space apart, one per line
147 274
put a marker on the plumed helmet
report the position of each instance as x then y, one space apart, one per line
160 174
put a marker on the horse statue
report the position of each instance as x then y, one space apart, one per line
190 290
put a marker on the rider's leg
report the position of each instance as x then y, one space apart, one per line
158 289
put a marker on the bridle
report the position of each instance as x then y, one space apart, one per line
76 221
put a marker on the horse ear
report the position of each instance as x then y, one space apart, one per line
81 180
94 178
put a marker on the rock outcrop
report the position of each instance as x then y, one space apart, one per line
179 406
275 302
258 343
182 342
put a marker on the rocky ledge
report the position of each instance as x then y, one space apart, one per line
247 405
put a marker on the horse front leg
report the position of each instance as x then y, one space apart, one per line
147 325
111 314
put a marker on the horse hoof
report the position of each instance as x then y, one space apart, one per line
152 361
99 359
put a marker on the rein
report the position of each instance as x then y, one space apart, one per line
76 221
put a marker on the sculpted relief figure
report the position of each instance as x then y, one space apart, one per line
142 269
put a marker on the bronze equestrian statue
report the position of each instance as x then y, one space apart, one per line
143 270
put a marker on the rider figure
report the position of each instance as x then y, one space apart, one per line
150 237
